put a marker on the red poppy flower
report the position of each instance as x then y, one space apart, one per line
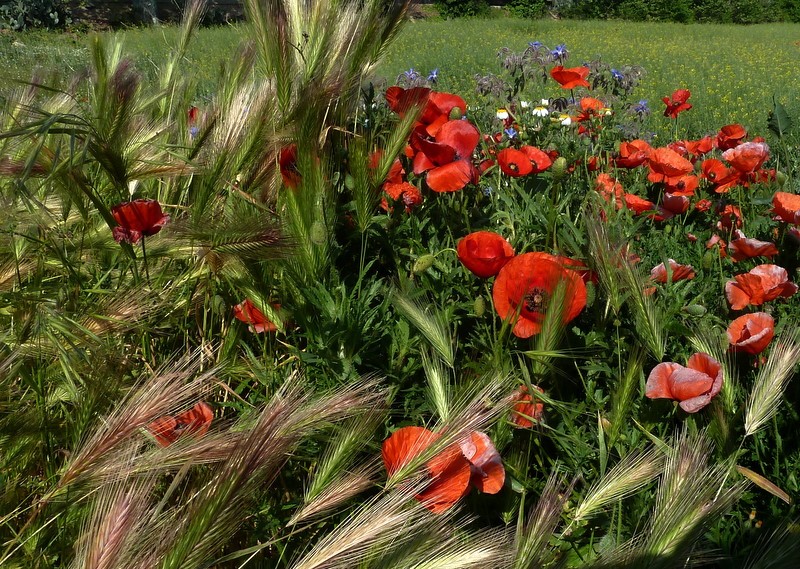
679 272
192 114
730 136
526 411
722 177
672 205
667 166
744 248
683 186
514 163
760 285
436 107
484 253
248 313
677 104
700 147
524 289
571 77
448 159
703 205
786 207
194 421
407 192
608 187
751 333
730 218
540 160
137 219
639 205
747 157
632 154
288 165
451 471
693 386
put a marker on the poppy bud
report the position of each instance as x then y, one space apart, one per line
422 264
480 306
708 260
218 305
455 113
559 168
780 179
318 233
694 309
591 294
349 182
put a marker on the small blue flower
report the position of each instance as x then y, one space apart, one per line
535 45
618 76
641 107
510 132
560 51
433 75
487 191
411 74
193 131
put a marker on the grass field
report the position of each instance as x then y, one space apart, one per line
732 71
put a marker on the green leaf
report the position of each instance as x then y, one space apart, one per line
779 121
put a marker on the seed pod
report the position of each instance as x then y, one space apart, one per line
480 306
709 257
422 264
694 309
780 179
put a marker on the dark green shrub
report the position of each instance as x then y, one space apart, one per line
22 14
528 8
634 10
791 10
749 12
460 8
717 11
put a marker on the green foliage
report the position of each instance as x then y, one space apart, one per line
461 8
23 14
528 8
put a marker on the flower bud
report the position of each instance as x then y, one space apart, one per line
480 306
694 309
318 234
559 168
422 264
455 114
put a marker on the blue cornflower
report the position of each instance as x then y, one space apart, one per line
433 75
617 75
510 132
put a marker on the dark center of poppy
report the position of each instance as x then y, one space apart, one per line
513 167
536 300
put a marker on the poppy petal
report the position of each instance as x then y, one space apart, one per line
450 177
658 382
488 474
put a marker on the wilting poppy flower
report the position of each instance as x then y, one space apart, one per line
751 333
679 272
248 313
693 386
703 205
760 285
786 207
137 219
677 104
730 218
526 410
406 192
194 421
747 157
667 166
524 291
288 166
474 460
632 154
514 163
742 247
722 177
484 253
672 205
571 77
448 159
730 136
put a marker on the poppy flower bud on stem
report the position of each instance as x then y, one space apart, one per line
423 263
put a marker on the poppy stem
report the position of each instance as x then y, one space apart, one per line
144 261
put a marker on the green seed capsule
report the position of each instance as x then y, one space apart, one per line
780 179
694 309
455 113
709 258
349 182
480 306
422 264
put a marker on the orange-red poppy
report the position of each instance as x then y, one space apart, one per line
608 187
571 77
448 158
406 192
525 287
760 285
683 186
484 253
786 207
486 467
730 136
667 166
248 313
730 218
632 154
716 172
678 272
693 386
540 160
639 205
751 333
137 219
699 147
742 247
436 107
526 411
288 166
514 163
194 421
747 157
677 103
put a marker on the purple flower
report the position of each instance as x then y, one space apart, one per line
559 52
641 108
433 75
617 75
411 74
510 132
535 45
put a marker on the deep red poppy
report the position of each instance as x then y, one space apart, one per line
632 154
407 192
747 157
730 136
730 218
679 272
716 172
448 159
248 313
288 166
786 207
683 186
672 205
194 421
436 107
525 287
677 103
514 163
192 114
751 333
137 219
571 77
484 253
527 411
667 166
742 247
693 386
760 285
699 147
